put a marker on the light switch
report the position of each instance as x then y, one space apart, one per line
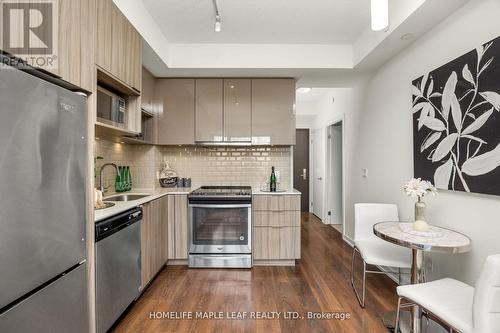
364 173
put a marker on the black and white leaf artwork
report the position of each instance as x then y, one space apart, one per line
456 122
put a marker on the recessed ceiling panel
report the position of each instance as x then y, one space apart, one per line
262 21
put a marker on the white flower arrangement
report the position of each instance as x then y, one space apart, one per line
418 188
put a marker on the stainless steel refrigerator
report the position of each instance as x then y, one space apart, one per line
43 285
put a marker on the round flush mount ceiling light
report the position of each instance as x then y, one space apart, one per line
380 14
303 90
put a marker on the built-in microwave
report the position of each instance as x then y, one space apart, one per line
110 108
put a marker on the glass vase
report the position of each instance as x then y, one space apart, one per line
420 224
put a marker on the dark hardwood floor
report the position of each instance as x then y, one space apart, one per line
319 283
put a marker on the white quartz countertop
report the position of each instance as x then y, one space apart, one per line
122 206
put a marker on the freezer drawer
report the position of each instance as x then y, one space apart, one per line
59 307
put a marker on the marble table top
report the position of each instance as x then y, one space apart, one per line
438 239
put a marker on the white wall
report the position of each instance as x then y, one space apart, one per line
337 104
380 139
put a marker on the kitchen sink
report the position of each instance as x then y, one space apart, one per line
126 197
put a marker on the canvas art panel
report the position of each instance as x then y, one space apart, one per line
456 122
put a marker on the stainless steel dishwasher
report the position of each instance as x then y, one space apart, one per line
118 265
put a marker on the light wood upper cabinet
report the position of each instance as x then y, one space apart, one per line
273 111
75 44
177 227
238 110
148 90
119 45
104 34
176 109
136 61
209 110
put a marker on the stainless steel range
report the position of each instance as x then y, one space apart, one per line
220 224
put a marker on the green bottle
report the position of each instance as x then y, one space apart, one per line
118 180
129 179
272 181
124 179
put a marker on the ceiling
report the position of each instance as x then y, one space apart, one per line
312 96
321 43
261 21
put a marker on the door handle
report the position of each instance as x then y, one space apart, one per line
304 174
320 178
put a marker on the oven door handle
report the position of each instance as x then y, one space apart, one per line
220 206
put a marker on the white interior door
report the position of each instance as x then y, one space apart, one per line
335 174
318 137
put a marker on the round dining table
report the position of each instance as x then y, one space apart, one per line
436 239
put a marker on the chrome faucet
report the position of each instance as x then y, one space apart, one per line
101 186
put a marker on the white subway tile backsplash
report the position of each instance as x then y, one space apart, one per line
205 166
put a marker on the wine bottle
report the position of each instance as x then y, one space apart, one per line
272 182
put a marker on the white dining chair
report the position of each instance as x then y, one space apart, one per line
373 250
460 307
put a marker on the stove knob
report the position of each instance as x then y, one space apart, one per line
242 238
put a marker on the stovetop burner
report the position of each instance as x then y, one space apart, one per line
221 193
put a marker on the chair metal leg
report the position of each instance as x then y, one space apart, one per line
361 301
398 312
364 282
427 321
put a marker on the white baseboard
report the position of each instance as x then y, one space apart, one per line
348 240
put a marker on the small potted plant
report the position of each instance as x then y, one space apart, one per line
418 188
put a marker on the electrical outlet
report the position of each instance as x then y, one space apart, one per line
364 173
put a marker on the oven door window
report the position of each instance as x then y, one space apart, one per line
220 226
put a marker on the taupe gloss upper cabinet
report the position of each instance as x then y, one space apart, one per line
273 111
238 110
176 108
209 110
223 110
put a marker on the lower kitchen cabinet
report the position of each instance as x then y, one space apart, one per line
276 243
153 239
276 228
177 227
